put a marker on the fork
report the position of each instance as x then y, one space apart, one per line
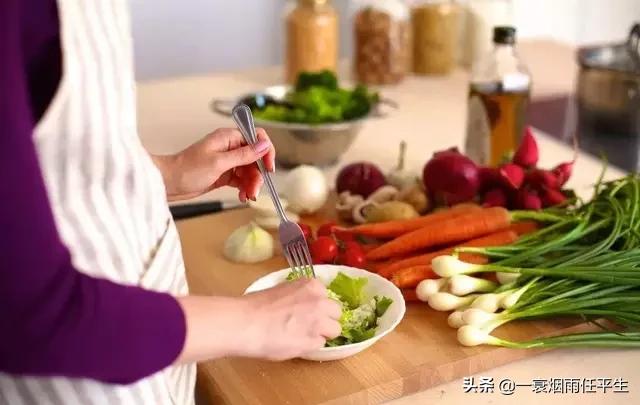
294 244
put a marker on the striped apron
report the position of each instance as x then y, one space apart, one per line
107 196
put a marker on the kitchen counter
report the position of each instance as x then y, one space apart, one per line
175 112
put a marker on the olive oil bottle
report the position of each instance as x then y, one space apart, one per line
498 100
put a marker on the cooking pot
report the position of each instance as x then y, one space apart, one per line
608 87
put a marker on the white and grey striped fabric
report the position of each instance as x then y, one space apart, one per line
108 197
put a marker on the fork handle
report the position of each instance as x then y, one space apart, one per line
242 116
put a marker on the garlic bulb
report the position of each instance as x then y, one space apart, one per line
399 177
306 189
249 244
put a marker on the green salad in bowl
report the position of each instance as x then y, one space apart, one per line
316 98
372 307
360 314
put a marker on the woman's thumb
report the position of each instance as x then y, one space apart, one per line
245 155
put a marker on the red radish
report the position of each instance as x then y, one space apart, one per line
495 197
563 172
540 178
512 175
551 197
527 153
360 178
528 200
451 178
489 178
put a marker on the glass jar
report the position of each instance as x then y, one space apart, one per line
382 35
311 38
435 36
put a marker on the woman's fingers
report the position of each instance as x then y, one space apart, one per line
333 309
330 329
270 157
249 179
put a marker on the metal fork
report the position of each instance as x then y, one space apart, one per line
294 244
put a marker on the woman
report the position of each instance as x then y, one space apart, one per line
94 304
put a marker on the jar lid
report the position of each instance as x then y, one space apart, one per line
504 34
623 57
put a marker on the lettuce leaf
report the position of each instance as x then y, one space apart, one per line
359 319
382 304
350 290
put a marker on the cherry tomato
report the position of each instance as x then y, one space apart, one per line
353 256
326 229
306 231
333 229
324 250
352 245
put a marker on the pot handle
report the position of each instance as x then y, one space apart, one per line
223 107
379 112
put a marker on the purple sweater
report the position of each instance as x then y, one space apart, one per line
55 320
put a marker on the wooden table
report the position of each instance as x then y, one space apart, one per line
174 113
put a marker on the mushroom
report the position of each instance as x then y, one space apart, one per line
360 211
345 205
384 194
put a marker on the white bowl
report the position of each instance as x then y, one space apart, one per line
375 286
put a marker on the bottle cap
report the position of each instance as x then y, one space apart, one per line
504 35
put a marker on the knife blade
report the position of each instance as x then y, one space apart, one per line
185 211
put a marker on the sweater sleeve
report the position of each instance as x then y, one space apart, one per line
55 320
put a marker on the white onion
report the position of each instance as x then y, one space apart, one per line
428 287
306 189
511 299
249 244
506 278
448 266
477 317
442 301
470 335
490 302
455 319
461 284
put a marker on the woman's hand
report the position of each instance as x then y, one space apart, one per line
291 319
219 159
279 323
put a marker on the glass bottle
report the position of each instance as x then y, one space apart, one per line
498 99
436 26
382 45
311 38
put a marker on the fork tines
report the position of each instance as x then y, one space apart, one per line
297 254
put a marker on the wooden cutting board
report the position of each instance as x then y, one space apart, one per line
420 353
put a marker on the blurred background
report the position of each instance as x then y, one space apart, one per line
576 69
175 38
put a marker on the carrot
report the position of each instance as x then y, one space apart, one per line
367 247
524 227
392 229
457 229
495 239
409 294
412 276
